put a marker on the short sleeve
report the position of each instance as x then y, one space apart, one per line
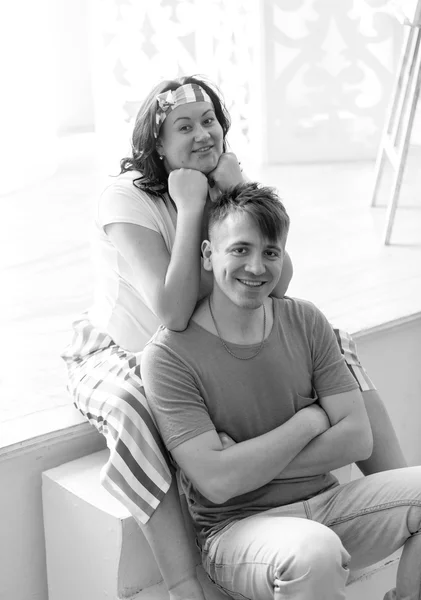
173 396
330 371
122 202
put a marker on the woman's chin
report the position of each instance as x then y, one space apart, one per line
207 166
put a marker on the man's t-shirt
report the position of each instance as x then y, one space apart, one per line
194 385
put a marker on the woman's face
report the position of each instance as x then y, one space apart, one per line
191 137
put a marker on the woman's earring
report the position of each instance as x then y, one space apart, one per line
161 157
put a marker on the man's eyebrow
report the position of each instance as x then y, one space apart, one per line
189 118
239 243
242 243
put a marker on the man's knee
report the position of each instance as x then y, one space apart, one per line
297 557
320 553
319 564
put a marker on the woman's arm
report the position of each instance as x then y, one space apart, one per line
170 283
387 453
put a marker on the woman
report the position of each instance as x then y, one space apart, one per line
149 225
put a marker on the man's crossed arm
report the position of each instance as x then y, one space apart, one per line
317 439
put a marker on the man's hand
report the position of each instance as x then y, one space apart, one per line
227 173
226 440
188 188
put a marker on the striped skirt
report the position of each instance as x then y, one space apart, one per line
106 387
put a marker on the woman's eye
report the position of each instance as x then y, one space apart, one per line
209 121
185 128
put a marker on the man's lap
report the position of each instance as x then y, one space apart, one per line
367 514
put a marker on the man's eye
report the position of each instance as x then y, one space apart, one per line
272 254
239 250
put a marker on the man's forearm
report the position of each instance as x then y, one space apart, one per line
341 445
248 465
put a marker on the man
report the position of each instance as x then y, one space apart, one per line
271 519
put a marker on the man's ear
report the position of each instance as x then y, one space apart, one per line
207 255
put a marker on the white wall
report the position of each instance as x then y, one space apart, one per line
75 111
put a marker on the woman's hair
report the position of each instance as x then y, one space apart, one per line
145 159
261 203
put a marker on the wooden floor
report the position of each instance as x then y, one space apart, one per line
335 242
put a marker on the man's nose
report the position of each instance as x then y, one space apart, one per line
255 265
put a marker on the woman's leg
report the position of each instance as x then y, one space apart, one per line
166 534
387 453
137 474
107 389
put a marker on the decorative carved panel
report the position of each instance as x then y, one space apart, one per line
329 70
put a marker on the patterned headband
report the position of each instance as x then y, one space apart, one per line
167 101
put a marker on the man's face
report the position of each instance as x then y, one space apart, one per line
192 138
245 265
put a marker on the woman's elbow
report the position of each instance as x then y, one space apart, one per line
175 322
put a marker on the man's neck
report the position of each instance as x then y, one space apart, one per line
233 323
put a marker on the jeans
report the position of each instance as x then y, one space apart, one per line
304 551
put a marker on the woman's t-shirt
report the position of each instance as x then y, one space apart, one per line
120 308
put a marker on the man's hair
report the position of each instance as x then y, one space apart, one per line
145 158
261 203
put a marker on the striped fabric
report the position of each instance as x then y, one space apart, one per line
169 100
349 350
106 386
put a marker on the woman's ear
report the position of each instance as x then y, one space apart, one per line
158 147
206 248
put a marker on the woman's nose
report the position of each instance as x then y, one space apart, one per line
201 133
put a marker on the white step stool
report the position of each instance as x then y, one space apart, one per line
96 551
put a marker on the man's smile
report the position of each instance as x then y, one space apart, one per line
251 283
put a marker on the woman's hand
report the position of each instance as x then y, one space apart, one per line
188 188
227 172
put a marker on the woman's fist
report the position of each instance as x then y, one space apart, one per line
227 172
188 188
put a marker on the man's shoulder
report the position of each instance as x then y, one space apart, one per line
163 338
174 343
297 306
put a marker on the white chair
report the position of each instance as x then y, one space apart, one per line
398 127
